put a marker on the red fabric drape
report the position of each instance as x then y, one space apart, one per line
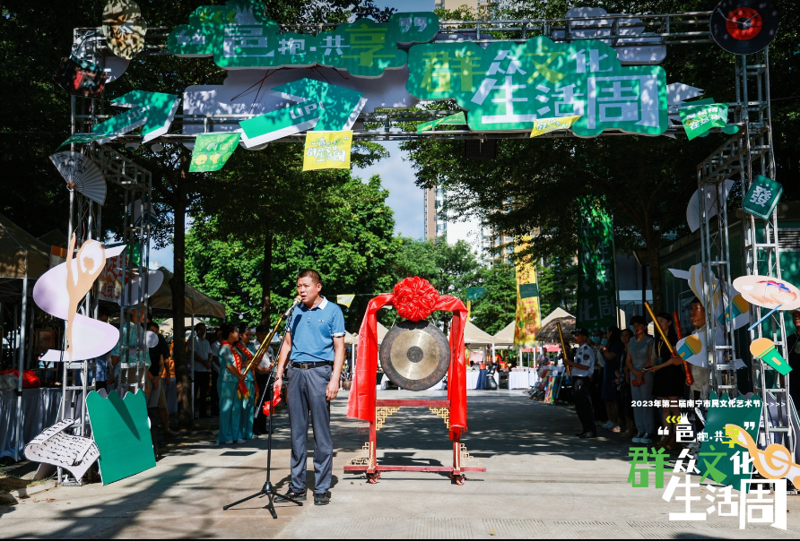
361 404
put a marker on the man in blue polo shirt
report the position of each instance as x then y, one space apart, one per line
314 347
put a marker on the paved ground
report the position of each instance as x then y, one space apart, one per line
541 481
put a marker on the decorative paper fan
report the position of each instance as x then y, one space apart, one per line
81 174
768 292
124 28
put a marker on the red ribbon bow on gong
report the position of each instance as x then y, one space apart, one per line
415 299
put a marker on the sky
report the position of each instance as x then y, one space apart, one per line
405 199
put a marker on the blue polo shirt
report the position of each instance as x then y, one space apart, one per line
313 331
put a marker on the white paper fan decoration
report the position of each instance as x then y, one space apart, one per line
81 174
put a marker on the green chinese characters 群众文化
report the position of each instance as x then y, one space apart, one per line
508 86
239 35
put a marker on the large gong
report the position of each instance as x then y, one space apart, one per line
415 355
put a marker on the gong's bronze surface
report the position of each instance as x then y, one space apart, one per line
415 355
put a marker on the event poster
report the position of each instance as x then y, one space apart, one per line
597 298
212 150
699 119
327 150
529 318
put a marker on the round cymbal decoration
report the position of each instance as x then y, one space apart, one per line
124 28
744 26
415 355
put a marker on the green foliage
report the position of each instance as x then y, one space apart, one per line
450 268
353 260
497 308
557 285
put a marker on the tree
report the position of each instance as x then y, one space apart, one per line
269 193
174 185
558 282
497 308
35 117
450 268
352 261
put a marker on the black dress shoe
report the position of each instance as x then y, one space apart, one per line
588 435
298 496
322 499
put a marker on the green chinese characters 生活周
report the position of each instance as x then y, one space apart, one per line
508 86
239 35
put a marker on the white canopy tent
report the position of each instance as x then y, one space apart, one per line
504 338
473 336
555 314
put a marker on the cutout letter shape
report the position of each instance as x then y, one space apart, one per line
122 433
73 453
86 337
507 86
240 35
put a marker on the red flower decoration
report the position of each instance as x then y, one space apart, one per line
414 298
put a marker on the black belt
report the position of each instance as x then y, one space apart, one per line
306 366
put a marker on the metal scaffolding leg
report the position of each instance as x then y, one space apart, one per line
743 156
762 247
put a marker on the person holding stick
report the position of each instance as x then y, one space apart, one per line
668 384
313 348
582 383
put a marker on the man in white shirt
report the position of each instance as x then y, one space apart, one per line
202 370
582 370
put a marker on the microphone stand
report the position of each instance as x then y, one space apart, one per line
268 490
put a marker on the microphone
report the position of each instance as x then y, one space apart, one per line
297 300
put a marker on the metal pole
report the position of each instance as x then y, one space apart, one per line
192 359
21 361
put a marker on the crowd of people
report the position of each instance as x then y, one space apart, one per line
227 372
618 374
228 382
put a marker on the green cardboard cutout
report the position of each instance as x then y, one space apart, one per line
762 197
323 107
509 85
699 119
458 119
152 111
212 150
239 35
121 431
